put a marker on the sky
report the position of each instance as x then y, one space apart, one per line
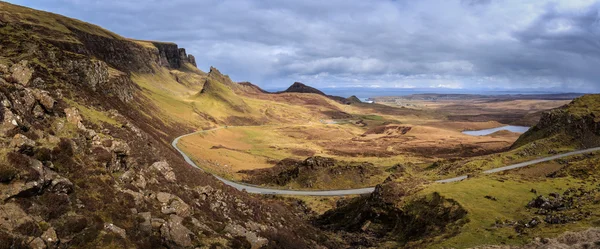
443 44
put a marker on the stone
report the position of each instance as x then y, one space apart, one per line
3 69
181 208
73 117
146 224
22 72
44 99
49 236
38 111
163 197
37 243
120 148
157 222
22 143
140 182
176 233
115 229
252 237
167 210
163 168
38 166
23 101
10 122
38 82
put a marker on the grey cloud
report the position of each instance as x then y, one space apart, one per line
480 44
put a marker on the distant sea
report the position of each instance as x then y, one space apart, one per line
368 92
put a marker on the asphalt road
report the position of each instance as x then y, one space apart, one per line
260 190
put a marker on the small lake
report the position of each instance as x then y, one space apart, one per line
513 128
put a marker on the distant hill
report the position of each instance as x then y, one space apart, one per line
299 87
578 123
352 100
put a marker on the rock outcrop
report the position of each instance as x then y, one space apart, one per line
579 122
313 171
170 55
385 214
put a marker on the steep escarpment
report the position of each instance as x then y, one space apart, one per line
86 161
577 123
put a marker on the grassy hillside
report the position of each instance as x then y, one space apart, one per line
577 124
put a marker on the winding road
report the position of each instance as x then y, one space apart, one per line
260 190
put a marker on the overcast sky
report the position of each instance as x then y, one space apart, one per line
468 44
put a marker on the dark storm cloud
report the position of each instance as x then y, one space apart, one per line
475 44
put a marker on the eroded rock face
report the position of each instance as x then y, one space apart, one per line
184 57
168 54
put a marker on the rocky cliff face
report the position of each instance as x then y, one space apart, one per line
579 121
170 55
184 57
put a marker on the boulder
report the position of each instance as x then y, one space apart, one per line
49 236
146 223
163 197
73 117
175 233
9 122
109 227
23 101
38 111
3 69
37 243
238 230
164 169
181 208
167 210
44 99
120 148
22 143
22 73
